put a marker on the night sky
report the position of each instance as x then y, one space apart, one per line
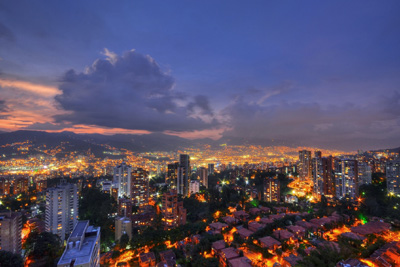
314 73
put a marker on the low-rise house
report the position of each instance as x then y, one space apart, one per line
375 227
217 246
291 260
255 226
217 227
240 262
306 225
168 259
265 209
283 235
230 220
266 221
241 215
277 216
255 211
244 233
270 243
227 254
298 231
147 259
353 236
388 255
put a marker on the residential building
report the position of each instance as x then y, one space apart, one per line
139 187
194 187
184 172
123 225
210 168
61 209
10 232
203 176
393 176
122 180
347 183
173 212
364 173
83 247
272 190
305 166
172 174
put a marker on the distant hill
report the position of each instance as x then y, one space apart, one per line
82 143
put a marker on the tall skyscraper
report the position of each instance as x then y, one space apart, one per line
202 174
347 180
210 168
122 180
61 209
364 173
393 176
184 172
173 212
323 182
305 166
140 187
10 232
172 174
83 247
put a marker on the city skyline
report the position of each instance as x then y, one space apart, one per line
296 74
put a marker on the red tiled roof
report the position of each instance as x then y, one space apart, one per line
269 242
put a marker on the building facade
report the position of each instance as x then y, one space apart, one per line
393 176
305 165
123 225
140 187
272 190
203 176
347 179
173 212
122 180
184 172
10 232
61 209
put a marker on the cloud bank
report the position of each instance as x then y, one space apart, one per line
131 92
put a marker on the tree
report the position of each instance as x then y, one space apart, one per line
9 259
123 242
43 245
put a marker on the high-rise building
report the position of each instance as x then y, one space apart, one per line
5 186
10 232
393 176
61 209
364 173
140 187
203 176
305 166
83 247
122 179
347 179
173 212
184 172
323 181
123 225
125 206
172 174
210 168
194 187
272 190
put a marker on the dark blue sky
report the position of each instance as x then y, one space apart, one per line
320 73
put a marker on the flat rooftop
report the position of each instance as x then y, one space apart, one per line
82 253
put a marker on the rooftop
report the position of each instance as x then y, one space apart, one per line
80 249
